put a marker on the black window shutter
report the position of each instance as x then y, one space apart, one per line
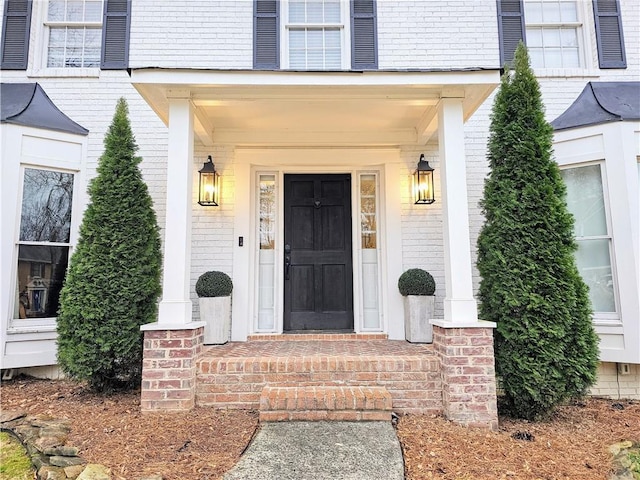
266 34
16 25
511 29
611 52
115 35
364 35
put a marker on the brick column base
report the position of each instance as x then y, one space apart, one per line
467 367
169 369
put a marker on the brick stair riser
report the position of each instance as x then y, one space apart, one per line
414 383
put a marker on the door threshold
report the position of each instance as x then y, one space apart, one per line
311 335
317 332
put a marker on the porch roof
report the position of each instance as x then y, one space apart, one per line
289 108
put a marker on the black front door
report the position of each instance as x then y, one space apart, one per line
318 293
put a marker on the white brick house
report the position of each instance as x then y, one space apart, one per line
285 95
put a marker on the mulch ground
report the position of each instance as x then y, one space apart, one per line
205 443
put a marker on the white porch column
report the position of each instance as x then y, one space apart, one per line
459 305
175 306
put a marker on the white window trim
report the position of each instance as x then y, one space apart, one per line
604 318
345 33
20 325
585 24
40 44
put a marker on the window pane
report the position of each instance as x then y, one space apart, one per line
551 37
568 37
46 206
314 11
56 10
568 12
296 39
267 211
315 39
537 57
315 60
594 263
552 57
41 272
533 12
296 11
570 58
368 211
75 10
550 12
534 37
585 200
332 11
93 11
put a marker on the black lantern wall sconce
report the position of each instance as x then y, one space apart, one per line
209 185
423 193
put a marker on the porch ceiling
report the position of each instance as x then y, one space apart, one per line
314 108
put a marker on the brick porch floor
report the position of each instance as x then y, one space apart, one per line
234 375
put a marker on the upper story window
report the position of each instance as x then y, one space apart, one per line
315 35
74 33
552 33
315 31
72 37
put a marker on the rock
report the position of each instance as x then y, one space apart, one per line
93 471
44 443
59 461
10 415
27 432
73 471
51 473
63 451
617 447
38 460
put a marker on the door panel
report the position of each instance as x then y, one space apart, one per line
318 290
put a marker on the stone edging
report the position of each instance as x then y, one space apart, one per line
45 440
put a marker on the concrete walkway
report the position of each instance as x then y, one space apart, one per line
322 451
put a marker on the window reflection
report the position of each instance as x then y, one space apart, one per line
43 250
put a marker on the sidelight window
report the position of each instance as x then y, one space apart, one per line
369 251
266 253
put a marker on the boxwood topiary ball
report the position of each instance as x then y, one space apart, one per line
416 281
214 284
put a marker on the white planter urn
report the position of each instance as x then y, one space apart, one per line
418 310
216 312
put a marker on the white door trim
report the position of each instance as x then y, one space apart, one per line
250 161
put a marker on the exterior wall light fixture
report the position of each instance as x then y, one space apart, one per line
209 185
423 183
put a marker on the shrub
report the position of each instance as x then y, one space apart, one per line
114 275
416 281
214 284
545 346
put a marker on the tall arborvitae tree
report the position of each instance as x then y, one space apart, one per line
113 281
545 345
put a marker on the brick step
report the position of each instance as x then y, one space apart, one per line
325 402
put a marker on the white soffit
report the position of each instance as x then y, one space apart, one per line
314 108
